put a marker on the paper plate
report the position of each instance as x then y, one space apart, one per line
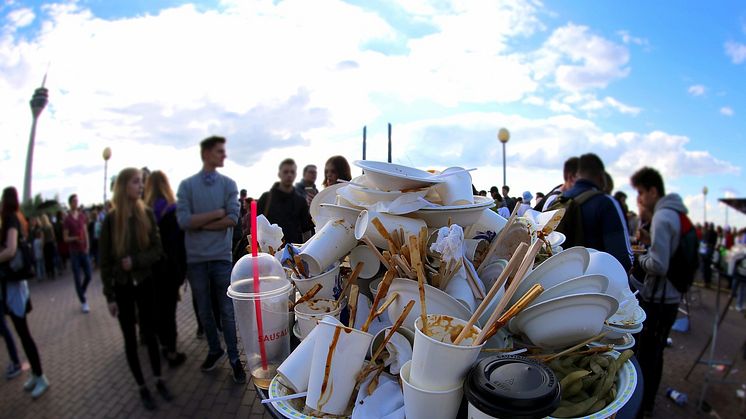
628 317
395 177
627 341
565 265
292 409
581 285
463 215
627 381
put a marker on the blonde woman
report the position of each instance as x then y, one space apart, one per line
170 271
130 245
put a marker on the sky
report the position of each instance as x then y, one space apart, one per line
639 83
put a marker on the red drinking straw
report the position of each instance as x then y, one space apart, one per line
257 302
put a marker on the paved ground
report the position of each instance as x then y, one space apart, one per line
84 359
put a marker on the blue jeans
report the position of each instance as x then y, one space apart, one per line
80 260
202 276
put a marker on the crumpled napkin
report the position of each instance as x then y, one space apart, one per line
268 236
450 243
386 402
400 351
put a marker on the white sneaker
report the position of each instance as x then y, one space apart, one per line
86 308
30 383
42 384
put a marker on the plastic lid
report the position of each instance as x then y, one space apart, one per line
512 386
268 266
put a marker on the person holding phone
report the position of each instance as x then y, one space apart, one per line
307 186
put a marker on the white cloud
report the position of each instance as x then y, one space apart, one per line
736 51
627 38
579 60
727 111
19 18
697 90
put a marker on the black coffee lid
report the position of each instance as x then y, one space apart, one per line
512 386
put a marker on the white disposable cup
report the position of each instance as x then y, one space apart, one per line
371 263
430 404
456 188
438 364
458 287
310 313
333 242
489 220
274 297
296 369
490 272
329 280
365 228
340 352
474 246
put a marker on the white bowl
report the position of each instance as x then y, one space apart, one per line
613 332
562 266
628 316
463 215
436 301
586 284
361 195
565 321
607 265
395 177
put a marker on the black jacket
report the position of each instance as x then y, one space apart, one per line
288 210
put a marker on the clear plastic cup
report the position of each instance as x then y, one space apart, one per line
265 351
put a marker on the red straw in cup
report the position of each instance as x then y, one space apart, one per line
257 302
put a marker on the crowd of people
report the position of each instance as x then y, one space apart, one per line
149 240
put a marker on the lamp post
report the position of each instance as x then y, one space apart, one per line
38 102
106 155
503 135
704 193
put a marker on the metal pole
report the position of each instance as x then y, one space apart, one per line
705 207
389 142
365 134
504 181
106 169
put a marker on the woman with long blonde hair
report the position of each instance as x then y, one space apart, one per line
129 247
170 271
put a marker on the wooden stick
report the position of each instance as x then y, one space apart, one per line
350 280
300 266
380 257
352 304
383 289
576 347
391 298
450 273
528 260
394 328
473 282
512 265
402 263
310 294
405 254
384 233
414 248
423 245
291 265
495 243
513 311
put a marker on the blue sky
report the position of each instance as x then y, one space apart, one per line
639 83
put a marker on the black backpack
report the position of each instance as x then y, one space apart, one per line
685 261
572 223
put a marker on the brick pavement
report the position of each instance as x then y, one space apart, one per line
83 356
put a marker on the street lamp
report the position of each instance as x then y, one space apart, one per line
503 135
704 192
106 156
38 102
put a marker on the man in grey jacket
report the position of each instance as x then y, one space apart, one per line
207 209
659 297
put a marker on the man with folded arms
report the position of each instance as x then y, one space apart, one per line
207 208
